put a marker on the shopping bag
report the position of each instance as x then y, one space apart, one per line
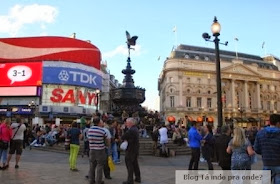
111 164
124 145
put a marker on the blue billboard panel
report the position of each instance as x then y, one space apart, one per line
71 76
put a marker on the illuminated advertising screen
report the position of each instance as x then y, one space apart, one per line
64 95
71 74
21 74
20 91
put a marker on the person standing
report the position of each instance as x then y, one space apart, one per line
97 156
75 135
241 150
86 143
132 151
208 145
267 144
114 146
5 137
106 168
16 143
221 145
155 135
194 142
163 139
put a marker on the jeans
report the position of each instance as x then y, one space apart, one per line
275 173
114 148
3 156
74 150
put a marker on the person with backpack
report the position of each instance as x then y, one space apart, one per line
16 143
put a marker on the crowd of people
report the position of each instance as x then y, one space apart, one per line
234 148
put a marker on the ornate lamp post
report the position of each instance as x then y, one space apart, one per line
216 28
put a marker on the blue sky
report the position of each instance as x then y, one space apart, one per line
105 23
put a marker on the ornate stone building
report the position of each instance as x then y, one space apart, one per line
250 86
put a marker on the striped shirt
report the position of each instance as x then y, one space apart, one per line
96 137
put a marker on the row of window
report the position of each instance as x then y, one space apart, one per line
209 103
189 102
269 106
188 80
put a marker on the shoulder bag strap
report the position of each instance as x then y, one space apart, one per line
16 131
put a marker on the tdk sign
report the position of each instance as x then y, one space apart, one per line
71 76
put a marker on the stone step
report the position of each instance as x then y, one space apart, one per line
145 148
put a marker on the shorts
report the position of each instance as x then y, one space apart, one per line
16 147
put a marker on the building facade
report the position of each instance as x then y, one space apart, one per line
49 78
250 86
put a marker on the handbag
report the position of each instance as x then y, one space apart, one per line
4 145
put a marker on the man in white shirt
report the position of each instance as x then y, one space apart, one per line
16 143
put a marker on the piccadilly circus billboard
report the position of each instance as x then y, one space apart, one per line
65 95
71 74
21 74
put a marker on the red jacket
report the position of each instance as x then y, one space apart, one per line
5 132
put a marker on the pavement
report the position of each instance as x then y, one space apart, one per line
43 167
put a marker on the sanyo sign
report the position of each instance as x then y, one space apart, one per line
79 76
69 95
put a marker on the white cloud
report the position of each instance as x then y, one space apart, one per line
122 50
20 15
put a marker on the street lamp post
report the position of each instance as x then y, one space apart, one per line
241 110
32 106
97 92
216 28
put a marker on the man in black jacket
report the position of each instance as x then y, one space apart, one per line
221 145
132 151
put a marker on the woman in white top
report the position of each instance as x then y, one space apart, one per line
163 139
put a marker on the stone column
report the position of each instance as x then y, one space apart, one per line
246 95
272 105
233 105
258 96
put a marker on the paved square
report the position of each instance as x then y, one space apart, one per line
43 167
